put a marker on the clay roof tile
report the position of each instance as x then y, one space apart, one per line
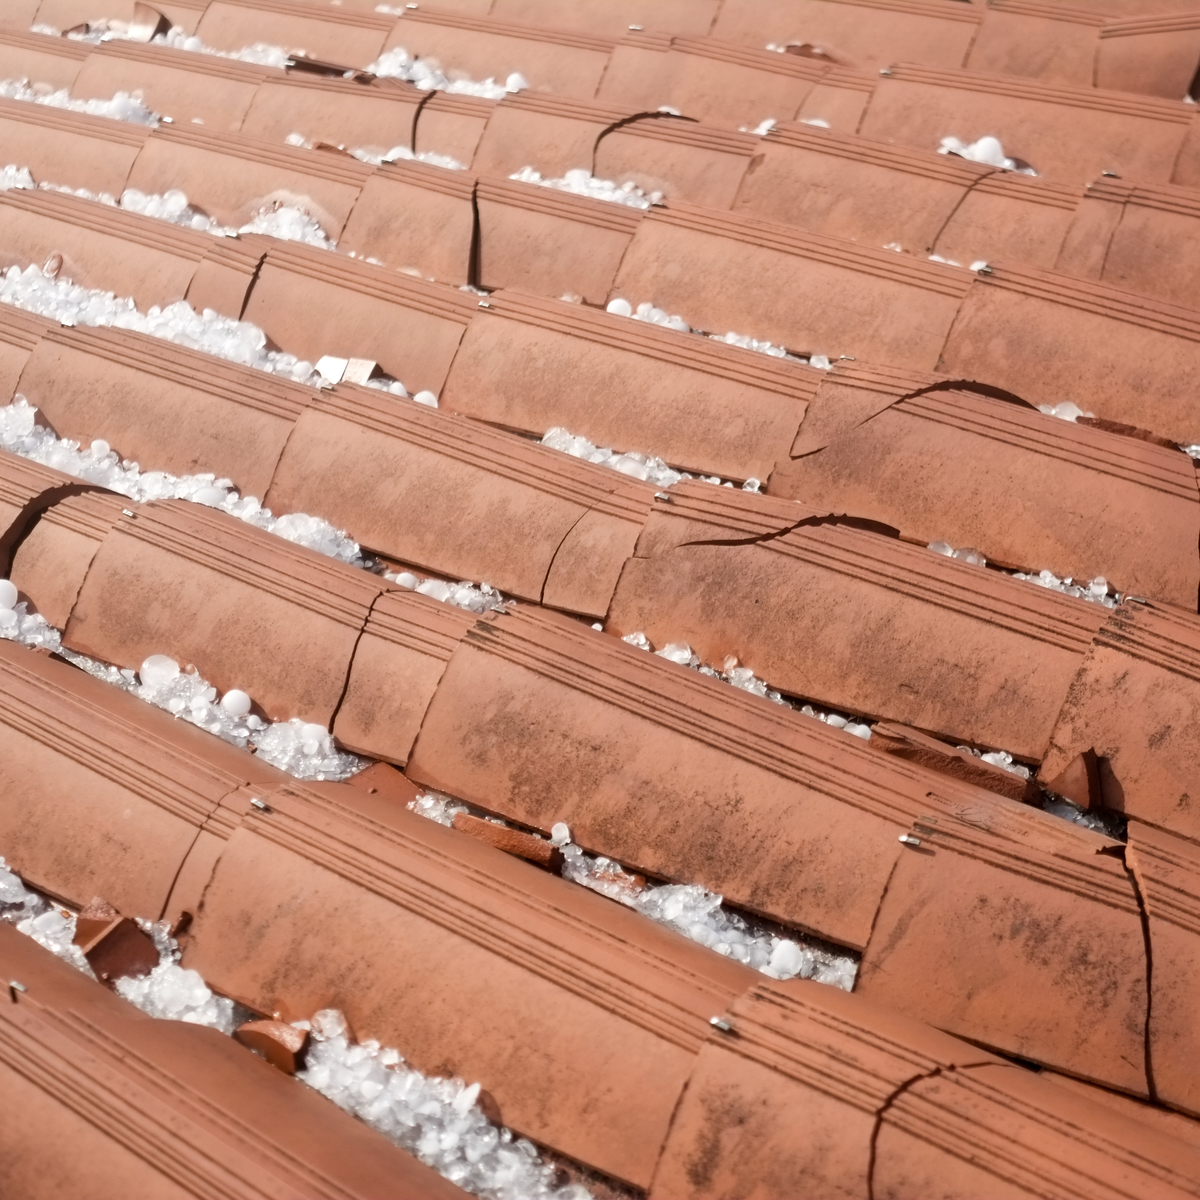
353 38
697 403
841 298
38 58
551 242
313 303
232 177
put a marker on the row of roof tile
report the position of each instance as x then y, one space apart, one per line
527 364
473 943
1070 133
536 718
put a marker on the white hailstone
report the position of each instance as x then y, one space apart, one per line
158 671
426 397
560 834
819 122
620 308
8 594
516 82
236 701
435 589
406 579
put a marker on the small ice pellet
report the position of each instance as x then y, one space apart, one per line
8 594
158 670
426 397
236 701
620 308
560 834
212 496
100 447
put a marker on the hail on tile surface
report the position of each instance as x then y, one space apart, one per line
689 909
429 75
439 1121
646 311
579 183
1096 590
122 107
987 150
395 154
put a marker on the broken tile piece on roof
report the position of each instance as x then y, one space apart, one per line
1133 703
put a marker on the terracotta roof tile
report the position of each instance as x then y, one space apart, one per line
696 403
1167 869
861 622
36 57
314 303
802 1055
398 663
250 610
232 177
613 19
133 785
715 81
201 88
893 451
26 489
1155 54
452 125
841 298
1069 134
53 556
353 38
1145 661
551 242
554 134
551 60
528 520
1041 40
682 159
867 34
19 334
105 247
166 1108
1048 338
378 116
1134 236
950 947
161 404
487 940
413 215
70 149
